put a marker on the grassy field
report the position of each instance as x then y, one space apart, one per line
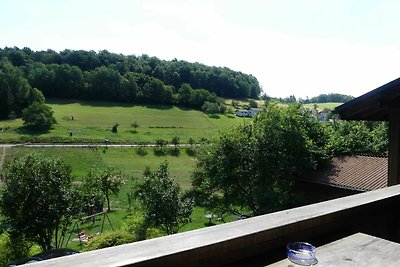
132 164
128 160
87 121
321 106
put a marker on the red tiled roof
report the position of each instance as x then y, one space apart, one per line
361 173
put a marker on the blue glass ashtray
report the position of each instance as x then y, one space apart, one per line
302 253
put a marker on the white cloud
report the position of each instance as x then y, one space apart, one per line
285 62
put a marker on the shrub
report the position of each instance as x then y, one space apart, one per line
114 129
109 239
141 228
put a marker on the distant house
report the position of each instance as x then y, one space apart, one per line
323 114
242 112
252 112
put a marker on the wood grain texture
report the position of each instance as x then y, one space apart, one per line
230 242
356 250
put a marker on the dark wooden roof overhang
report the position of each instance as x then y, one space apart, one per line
376 105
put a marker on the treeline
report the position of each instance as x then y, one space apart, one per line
16 94
322 98
116 77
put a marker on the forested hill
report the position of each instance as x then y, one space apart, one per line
325 98
109 76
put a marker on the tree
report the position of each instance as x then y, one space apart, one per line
191 141
135 125
355 137
107 181
15 90
175 141
253 103
38 116
161 143
253 166
114 129
38 200
162 200
211 108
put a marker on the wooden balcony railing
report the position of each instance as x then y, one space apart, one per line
259 240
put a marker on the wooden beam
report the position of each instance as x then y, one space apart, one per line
394 149
242 240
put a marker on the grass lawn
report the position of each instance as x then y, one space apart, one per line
128 160
321 106
90 121
131 163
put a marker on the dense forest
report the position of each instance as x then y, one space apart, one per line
322 98
133 79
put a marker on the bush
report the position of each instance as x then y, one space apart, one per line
253 103
114 129
38 116
12 250
109 239
141 228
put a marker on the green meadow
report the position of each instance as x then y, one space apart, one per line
131 162
91 121
321 106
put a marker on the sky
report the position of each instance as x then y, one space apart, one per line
302 48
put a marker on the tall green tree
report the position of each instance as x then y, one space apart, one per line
38 116
163 203
38 200
253 166
355 137
15 90
107 181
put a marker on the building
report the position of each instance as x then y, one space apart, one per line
251 113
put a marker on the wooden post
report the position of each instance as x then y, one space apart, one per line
394 149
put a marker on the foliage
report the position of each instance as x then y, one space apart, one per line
38 116
141 228
38 200
253 166
133 79
15 91
109 239
213 108
191 141
355 137
105 181
114 129
162 201
135 125
175 141
324 98
11 251
252 103
161 143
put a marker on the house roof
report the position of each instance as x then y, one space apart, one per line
374 105
359 173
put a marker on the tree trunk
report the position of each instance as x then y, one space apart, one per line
108 202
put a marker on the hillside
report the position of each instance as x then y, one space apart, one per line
90 121
321 106
115 77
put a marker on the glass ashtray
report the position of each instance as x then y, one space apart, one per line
302 253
